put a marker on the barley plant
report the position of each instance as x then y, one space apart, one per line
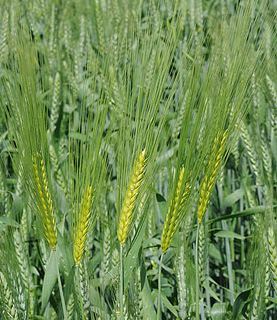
138 156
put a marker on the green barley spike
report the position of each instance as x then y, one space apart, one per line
55 103
44 201
82 225
214 164
126 215
174 212
272 254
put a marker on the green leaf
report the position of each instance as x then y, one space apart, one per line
167 304
148 305
132 255
240 303
229 234
215 252
167 155
274 300
231 199
161 204
239 214
218 311
17 205
63 248
50 279
211 292
8 221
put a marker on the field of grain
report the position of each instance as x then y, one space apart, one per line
138 159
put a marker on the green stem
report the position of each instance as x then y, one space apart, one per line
121 285
159 288
197 274
60 287
80 293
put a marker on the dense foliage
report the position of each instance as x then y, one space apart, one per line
138 154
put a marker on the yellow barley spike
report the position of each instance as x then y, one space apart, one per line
44 201
80 232
126 214
174 212
209 180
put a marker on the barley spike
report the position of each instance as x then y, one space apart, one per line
81 230
126 215
209 180
174 212
44 202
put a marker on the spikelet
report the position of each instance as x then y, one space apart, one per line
180 117
58 173
81 229
273 110
10 310
256 305
272 90
199 16
44 202
180 267
3 38
266 157
126 215
20 296
150 71
272 253
210 179
201 252
105 265
19 183
115 263
55 103
52 43
100 27
267 41
174 212
2 184
256 96
138 303
84 288
266 278
22 259
70 308
72 79
67 37
250 153
79 52
154 16
13 22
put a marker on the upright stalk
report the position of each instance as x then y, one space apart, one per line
60 287
121 284
197 274
159 288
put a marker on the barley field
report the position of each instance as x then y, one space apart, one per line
138 159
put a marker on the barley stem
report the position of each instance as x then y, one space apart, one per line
197 274
159 288
121 285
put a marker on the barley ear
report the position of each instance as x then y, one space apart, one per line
174 211
9 310
272 253
212 170
44 201
126 215
80 232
